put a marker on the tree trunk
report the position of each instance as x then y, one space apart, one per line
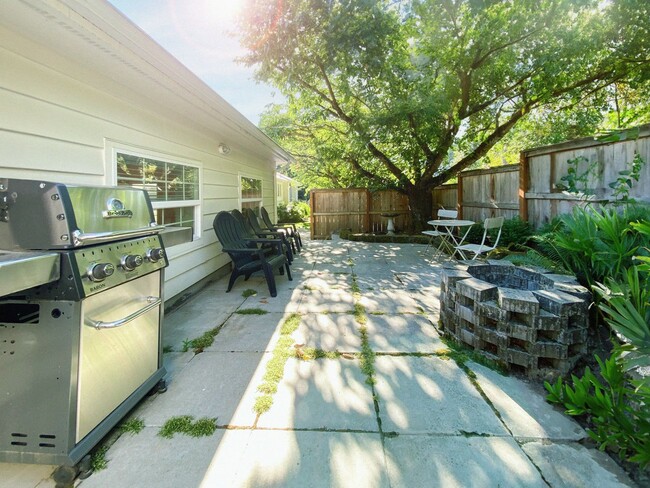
421 206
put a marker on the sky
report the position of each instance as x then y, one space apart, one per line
196 32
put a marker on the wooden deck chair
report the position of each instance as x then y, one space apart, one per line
251 234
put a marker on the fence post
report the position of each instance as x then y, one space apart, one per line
459 196
311 214
523 186
366 217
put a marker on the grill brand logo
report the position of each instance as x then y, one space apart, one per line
116 210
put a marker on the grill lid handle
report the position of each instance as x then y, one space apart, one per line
83 239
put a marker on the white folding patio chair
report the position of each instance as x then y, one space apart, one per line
442 214
488 224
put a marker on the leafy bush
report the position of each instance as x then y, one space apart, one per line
597 245
293 212
514 233
616 409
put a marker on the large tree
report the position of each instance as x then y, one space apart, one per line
408 93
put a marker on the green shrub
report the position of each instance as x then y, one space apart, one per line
515 233
294 212
614 407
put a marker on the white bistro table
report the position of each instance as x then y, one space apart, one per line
448 239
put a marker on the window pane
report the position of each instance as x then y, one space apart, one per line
251 188
191 192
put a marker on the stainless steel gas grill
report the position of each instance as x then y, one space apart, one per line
81 274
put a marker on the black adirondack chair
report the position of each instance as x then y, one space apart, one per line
259 229
247 254
290 229
251 234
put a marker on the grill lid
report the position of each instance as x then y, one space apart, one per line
41 215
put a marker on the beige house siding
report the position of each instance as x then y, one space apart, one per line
62 119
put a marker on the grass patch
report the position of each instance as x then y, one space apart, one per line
310 353
98 459
462 354
251 311
248 292
377 313
202 342
132 426
185 424
360 314
275 367
367 357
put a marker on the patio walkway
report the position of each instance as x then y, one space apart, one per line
425 421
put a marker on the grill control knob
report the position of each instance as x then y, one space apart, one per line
100 271
131 261
155 254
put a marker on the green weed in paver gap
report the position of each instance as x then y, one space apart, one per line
248 292
132 426
275 367
310 353
360 314
251 311
462 355
367 357
98 459
377 313
355 285
202 342
167 349
184 424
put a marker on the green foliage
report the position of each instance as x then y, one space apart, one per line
598 244
251 311
534 258
248 292
294 212
185 424
202 342
133 426
626 178
617 411
406 94
98 459
514 233
275 366
576 180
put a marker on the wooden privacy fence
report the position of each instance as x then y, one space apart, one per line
531 189
357 209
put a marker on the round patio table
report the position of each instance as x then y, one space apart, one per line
448 240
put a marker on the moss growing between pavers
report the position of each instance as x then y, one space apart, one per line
275 367
98 459
184 424
248 292
132 426
367 357
202 342
310 353
251 311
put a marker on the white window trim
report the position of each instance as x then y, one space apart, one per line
112 150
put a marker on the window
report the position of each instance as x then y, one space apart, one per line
251 193
172 187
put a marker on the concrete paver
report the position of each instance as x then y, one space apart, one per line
399 333
576 466
422 423
295 459
322 394
459 462
524 411
429 395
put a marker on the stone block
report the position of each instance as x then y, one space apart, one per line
559 302
547 349
491 310
450 276
466 313
477 290
500 262
518 330
520 301
497 338
468 338
572 336
575 290
520 358
548 321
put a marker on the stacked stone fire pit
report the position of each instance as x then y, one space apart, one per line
530 321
